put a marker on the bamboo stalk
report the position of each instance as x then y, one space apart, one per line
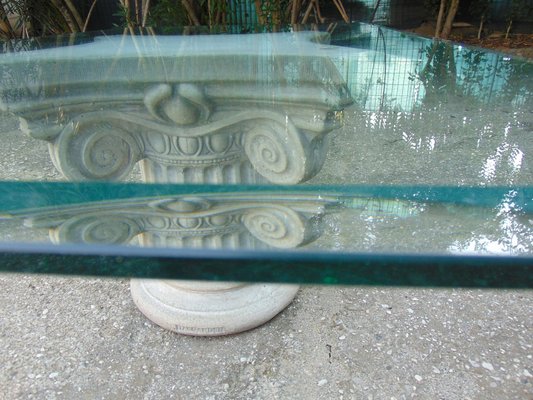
481 23
295 11
218 17
126 7
440 17
374 11
146 9
209 14
137 10
66 15
190 12
25 31
342 10
331 27
307 12
318 14
89 16
509 26
75 14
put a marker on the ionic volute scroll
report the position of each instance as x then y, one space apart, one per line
91 148
277 223
179 126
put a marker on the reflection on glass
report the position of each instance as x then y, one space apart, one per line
342 219
196 109
332 111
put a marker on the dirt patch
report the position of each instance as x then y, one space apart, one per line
519 44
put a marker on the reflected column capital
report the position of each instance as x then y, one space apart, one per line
198 221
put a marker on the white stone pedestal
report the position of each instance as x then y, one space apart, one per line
209 309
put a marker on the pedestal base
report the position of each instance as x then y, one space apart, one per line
209 309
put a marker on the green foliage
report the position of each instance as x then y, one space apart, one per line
440 73
123 15
38 18
165 13
516 88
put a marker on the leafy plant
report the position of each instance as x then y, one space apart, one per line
167 13
447 11
25 18
439 74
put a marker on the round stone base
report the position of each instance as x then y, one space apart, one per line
209 309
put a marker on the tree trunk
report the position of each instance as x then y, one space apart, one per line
190 12
481 23
70 21
295 11
447 28
75 14
440 17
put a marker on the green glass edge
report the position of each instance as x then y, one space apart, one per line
275 266
263 266
17 195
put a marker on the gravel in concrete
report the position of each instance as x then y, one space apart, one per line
80 338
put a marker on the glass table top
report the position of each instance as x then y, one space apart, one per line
341 155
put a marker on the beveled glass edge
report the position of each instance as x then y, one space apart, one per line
337 30
20 195
369 269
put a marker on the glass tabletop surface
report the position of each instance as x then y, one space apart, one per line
343 154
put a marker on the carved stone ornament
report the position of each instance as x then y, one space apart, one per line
191 109
234 221
199 221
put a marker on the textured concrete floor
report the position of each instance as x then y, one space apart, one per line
79 338
74 338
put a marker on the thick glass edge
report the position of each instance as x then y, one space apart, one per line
340 33
20 195
423 270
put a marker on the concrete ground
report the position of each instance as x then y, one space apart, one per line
81 338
